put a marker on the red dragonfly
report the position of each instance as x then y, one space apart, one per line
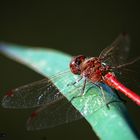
54 108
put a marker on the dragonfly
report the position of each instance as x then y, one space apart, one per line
84 73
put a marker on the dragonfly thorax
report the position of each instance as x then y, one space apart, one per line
91 68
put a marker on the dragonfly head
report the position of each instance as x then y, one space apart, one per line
75 64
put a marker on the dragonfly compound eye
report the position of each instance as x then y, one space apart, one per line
75 64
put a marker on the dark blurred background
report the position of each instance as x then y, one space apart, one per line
75 27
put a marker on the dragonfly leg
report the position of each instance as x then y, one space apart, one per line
114 101
120 98
82 91
102 91
73 83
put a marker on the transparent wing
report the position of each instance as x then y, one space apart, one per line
117 53
36 93
129 76
62 111
50 115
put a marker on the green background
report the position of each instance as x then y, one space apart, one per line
78 27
